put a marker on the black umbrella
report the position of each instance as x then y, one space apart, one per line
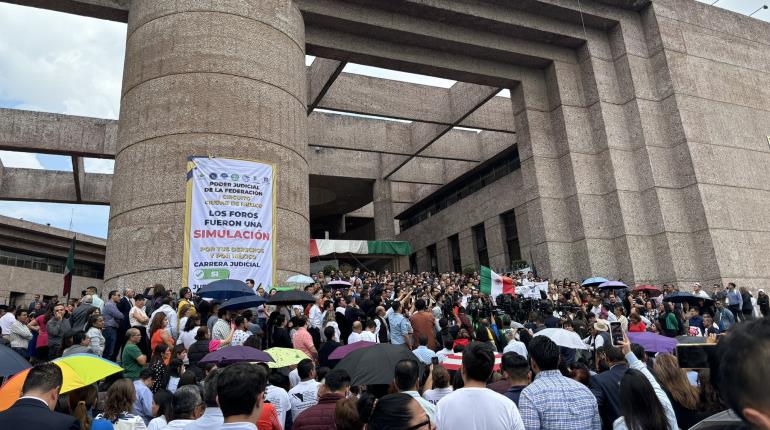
224 289
291 298
11 363
682 297
243 302
376 364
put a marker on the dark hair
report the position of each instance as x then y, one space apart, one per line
337 379
78 337
156 323
742 382
183 291
92 320
222 312
544 352
238 388
406 374
300 321
420 304
163 398
448 342
239 320
320 373
43 377
191 322
202 333
478 361
329 333
305 368
396 306
346 415
389 412
613 354
440 377
188 378
210 388
146 373
515 365
139 297
175 367
423 340
111 293
581 374
639 405
371 324
157 353
638 351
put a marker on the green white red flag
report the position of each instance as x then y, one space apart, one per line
493 284
69 268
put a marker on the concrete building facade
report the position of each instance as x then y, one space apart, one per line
634 144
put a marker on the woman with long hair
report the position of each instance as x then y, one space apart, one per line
643 403
161 409
158 333
160 356
120 401
397 411
280 337
94 333
683 396
175 371
81 402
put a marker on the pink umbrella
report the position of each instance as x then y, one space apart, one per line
343 351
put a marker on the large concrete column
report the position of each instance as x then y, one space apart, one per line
384 227
224 79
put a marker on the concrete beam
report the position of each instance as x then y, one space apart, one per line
52 133
464 98
413 102
79 176
53 186
111 10
320 76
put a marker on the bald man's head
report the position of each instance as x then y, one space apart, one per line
357 327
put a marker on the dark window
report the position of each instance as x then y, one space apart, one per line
480 242
511 238
454 249
433 258
47 264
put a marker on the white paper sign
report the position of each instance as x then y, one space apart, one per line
229 224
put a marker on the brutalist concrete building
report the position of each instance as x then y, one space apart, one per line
634 143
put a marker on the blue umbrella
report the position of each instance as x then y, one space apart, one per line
243 302
11 362
593 281
224 289
300 279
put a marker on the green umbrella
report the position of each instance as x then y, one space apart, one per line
283 357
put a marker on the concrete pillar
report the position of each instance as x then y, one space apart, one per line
444 256
467 250
224 79
495 243
384 228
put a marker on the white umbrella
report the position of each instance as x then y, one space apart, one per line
565 338
300 279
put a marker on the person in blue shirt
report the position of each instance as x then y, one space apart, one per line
400 327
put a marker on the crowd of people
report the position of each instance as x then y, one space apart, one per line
510 377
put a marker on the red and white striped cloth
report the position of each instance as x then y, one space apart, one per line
455 361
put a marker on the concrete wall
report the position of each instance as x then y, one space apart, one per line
31 282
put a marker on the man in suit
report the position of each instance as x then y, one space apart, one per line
124 306
39 394
606 385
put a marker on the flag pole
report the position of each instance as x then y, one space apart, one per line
70 260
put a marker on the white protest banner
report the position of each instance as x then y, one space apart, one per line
542 286
229 230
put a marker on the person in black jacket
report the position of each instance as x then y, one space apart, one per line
39 395
327 348
198 350
606 385
280 337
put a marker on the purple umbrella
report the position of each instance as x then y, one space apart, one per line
653 342
339 284
342 351
613 285
236 354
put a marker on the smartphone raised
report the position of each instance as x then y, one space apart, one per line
434 361
694 356
616 332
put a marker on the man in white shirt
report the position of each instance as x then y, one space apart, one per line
304 394
446 351
95 299
316 321
698 291
7 320
212 417
188 407
355 336
369 335
406 378
240 393
279 398
491 411
514 345
20 333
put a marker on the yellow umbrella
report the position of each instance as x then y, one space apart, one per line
78 370
283 357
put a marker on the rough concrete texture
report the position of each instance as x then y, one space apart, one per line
220 79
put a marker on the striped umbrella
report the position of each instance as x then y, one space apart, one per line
455 361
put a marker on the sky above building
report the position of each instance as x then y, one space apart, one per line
68 64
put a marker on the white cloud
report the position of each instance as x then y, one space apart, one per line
56 62
98 165
20 159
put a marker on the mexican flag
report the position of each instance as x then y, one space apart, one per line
69 268
493 284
